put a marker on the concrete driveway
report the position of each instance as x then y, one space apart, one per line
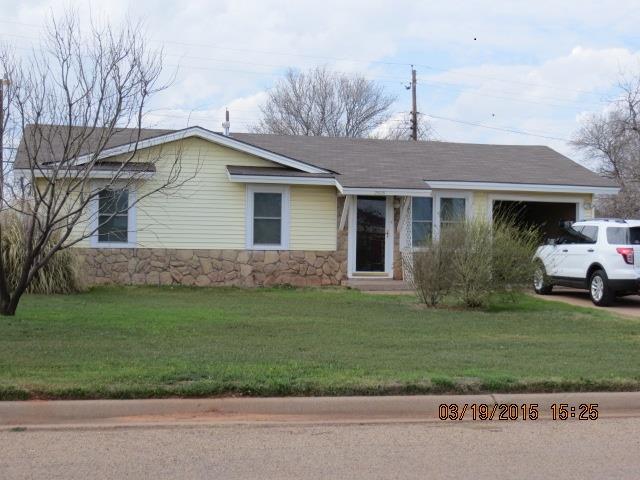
629 306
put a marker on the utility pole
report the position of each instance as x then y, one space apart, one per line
414 110
3 82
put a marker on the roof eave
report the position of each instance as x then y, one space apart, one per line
95 174
521 187
282 179
205 134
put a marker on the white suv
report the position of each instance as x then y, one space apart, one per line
598 255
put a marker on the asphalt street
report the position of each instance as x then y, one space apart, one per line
603 448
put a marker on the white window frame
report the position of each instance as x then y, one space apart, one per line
132 227
285 216
439 195
410 219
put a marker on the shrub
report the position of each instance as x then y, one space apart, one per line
473 260
58 275
513 250
430 274
470 260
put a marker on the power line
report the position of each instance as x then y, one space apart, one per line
337 59
380 78
502 129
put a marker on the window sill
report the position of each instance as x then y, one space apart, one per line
268 247
113 245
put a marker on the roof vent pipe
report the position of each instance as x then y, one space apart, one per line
226 124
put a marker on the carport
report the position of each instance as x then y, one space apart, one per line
546 215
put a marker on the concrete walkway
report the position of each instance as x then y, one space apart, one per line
420 408
629 306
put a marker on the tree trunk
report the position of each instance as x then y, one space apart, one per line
8 306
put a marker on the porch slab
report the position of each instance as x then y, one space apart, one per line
378 285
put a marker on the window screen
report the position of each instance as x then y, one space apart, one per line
113 216
267 218
422 220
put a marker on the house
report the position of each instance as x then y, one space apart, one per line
268 209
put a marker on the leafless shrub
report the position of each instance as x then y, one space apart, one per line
430 273
473 260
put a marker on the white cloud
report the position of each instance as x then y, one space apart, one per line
243 113
533 66
547 99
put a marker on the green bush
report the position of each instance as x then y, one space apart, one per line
473 260
58 275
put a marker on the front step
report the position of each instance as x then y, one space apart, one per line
377 285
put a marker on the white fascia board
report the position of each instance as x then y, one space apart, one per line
281 179
213 137
99 174
521 187
403 192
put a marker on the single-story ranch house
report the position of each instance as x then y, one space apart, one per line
269 209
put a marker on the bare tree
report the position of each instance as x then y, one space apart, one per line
400 129
613 140
72 99
323 103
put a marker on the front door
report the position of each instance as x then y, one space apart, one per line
371 225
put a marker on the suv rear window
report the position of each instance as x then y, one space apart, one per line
623 235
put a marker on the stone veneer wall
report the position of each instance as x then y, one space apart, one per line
158 266
155 266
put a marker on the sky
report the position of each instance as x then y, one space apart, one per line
486 69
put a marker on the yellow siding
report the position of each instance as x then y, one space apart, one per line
207 211
481 200
313 218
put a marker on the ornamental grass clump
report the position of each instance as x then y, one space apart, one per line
58 275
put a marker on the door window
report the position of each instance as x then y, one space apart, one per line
370 234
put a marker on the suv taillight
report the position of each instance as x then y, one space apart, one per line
627 254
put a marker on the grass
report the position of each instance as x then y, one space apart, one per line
116 342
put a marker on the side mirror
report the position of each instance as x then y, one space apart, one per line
552 241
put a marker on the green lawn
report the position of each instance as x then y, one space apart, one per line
147 342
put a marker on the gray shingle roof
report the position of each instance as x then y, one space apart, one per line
53 152
370 163
406 164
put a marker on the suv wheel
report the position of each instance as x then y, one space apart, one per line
541 282
600 290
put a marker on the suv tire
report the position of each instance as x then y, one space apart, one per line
599 289
541 281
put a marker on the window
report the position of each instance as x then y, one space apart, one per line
421 220
578 234
623 235
267 222
590 233
452 211
267 218
113 216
